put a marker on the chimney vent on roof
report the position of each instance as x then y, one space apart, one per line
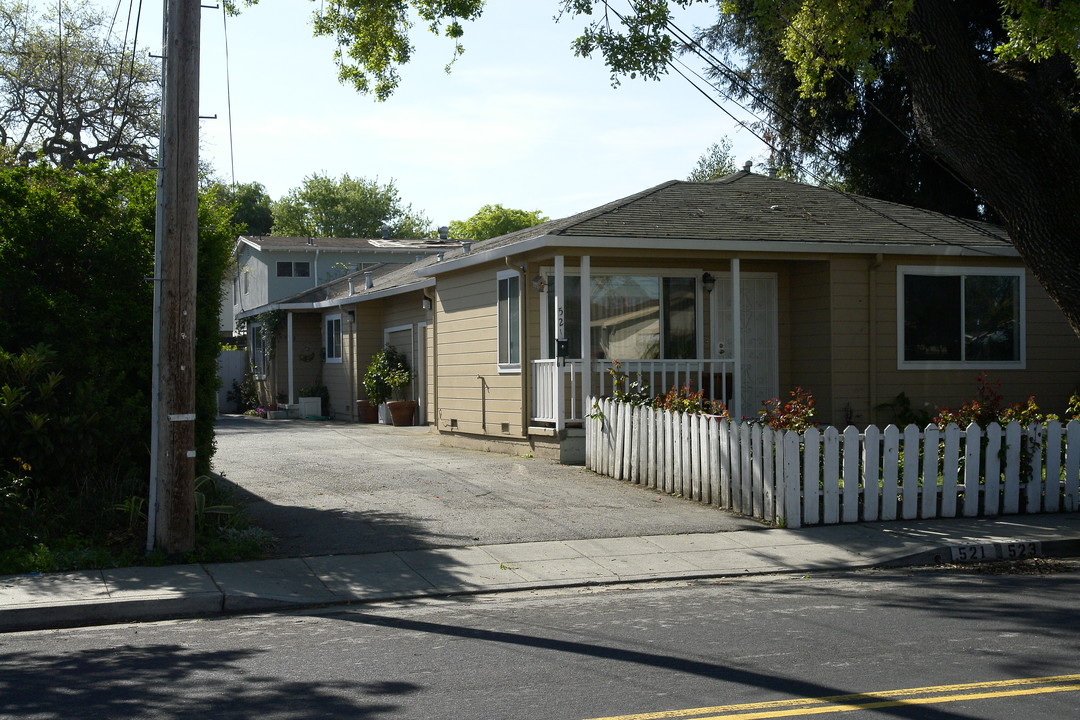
466 246
385 232
439 257
368 282
746 167
444 233
311 241
352 288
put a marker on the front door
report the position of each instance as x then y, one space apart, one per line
758 361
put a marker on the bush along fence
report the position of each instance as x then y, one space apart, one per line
825 476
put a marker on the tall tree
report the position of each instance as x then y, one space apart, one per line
1000 109
346 207
252 207
494 220
70 92
717 161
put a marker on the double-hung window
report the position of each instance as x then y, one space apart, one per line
960 317
509 321
333 338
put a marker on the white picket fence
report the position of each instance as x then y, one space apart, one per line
828 476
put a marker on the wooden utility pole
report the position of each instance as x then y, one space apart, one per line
172 521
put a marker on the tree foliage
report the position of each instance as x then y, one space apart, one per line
716 162
494 220
70 92
346 207
252 207
76 249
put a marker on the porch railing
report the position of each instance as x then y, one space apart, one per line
713 375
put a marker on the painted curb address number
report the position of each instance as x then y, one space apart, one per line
1016 550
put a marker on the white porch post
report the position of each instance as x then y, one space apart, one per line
736 339
560 334
586 334
289 350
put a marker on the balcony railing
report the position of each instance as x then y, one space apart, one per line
713 375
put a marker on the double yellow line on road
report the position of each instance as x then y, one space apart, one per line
930 695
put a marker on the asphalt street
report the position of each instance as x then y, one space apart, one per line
934 644
333 488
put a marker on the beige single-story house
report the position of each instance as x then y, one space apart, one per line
855 299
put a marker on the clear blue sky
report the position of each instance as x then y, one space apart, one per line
520 120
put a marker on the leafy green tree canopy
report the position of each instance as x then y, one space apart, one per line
494 220
70 92
252 207
717 161
346 207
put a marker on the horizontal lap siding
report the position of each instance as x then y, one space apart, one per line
811 349
850 401
471 390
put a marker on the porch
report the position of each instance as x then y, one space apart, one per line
613 328
560 386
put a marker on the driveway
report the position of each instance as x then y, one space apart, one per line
330 488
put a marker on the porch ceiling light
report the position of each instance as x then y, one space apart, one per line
539 284
708 282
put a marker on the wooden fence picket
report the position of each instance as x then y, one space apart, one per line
890 459
811 513
1034 486
746 481
768 465
757 500
992 473
928 492
830 478
1071 501
792 515
849 500
972 464
910 488
780 497
871 469
1052 441
950 467
1010 501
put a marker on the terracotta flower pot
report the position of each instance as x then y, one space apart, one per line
401 411
366 412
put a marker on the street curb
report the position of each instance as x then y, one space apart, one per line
86 613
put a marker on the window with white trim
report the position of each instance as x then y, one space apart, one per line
960 317
333 338
635 316
509 321
291 268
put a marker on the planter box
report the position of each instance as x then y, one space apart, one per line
277 415
310 407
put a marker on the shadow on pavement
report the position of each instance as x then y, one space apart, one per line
172 681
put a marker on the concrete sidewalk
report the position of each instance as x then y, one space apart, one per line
50 600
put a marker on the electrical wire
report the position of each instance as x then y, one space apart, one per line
228 92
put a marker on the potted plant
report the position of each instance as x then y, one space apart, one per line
387 375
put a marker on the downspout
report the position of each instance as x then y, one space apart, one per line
871 334
523 355
433 348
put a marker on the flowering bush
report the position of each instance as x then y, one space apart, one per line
684 400
795 414
635 393
989 406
